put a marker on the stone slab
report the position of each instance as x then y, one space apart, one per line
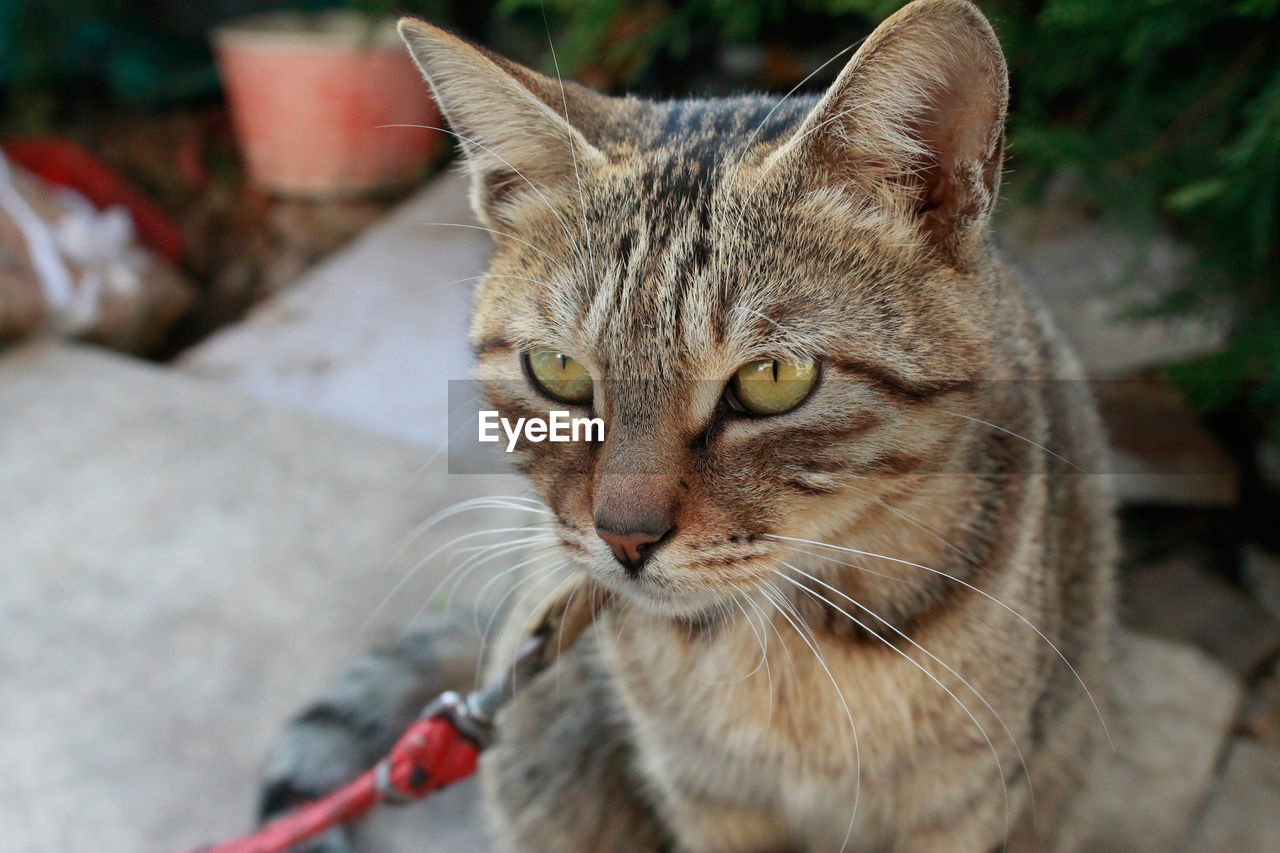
1174 706
1260 719
1094 278
1261 571
1161 453
184 566
1244 815
372 336
1177 599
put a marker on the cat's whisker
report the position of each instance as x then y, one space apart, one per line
796 88
765 624
545 572
536 555
538 530
573 594
500 158
1004 787
543 535
886 623
620 613
911 582
488 554
731 618
419 531
628 610
452 428
448 604
573 148
540 534
791 663
519 503
984 594
927 530
746 148
779 601
547 285
484 553
527 578
510 502
742 208
748 309
763 637
1016 435
497 233
616 606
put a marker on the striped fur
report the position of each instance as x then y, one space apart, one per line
662 245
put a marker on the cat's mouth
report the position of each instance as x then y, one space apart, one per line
650 594
681 581
682 594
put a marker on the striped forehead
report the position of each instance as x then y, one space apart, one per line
659 222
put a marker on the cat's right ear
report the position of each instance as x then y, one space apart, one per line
509 120
914 125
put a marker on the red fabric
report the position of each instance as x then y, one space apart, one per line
429 755
68 165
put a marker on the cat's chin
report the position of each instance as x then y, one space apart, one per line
660 601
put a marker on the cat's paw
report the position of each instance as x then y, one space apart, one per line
280 796
343 734
318 752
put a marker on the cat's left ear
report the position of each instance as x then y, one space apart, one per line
915 123
511 122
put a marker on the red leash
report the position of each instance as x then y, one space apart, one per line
433 753
440 747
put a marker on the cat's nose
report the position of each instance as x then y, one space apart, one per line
633 547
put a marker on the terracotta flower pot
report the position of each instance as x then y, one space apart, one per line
310 98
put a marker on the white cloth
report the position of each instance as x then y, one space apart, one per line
99 242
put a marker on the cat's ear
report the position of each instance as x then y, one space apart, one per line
916 120
509 120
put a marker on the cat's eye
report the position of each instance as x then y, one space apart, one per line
560 377
772 386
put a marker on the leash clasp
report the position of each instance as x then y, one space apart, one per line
473 715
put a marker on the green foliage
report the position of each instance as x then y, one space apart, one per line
42 38
1169 109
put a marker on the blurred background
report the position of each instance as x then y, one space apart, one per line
232 295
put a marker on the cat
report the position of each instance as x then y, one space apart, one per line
863 590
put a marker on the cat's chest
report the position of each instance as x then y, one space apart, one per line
763 702
795 732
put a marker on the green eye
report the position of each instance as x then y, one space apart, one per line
560 377
771 387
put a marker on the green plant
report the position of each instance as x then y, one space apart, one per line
1171 110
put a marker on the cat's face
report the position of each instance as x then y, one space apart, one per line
775 309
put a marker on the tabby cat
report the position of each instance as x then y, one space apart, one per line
862 599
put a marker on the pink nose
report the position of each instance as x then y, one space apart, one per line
631 549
